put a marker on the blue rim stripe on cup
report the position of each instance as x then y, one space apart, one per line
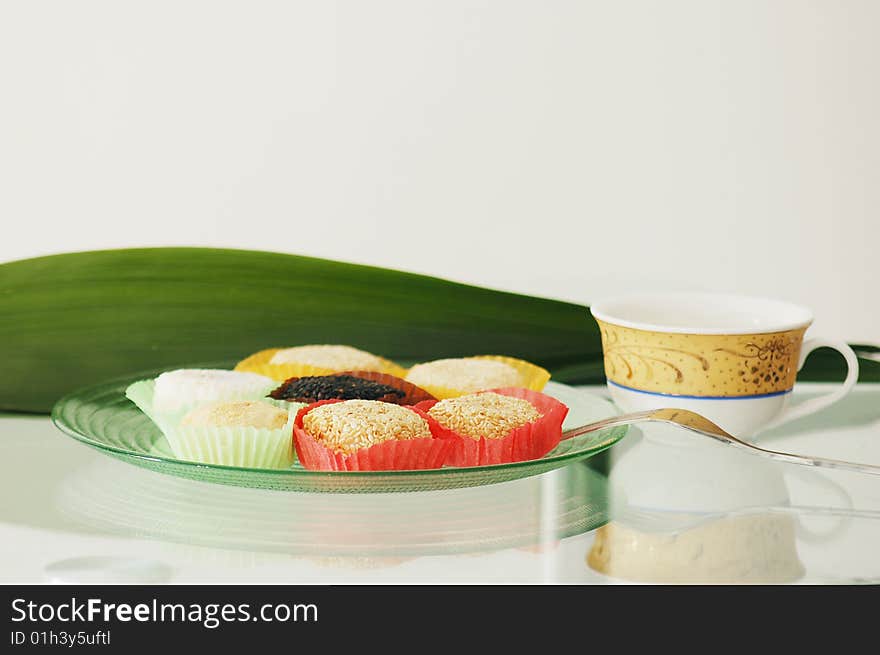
673 395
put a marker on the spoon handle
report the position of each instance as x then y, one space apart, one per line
610 422
803 460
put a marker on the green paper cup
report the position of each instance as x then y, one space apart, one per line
246 447
235 446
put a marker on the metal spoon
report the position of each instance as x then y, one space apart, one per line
701 425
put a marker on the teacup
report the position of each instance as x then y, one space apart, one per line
733 359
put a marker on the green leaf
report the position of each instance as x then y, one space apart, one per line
827 365
75 319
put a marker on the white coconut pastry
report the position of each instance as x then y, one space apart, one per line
179 390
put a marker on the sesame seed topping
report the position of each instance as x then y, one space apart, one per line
326 387
353 424
241 413
490 415
329 356
465 374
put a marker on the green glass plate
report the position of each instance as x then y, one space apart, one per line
103 418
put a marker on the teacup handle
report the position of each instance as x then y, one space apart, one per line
816 404
811 477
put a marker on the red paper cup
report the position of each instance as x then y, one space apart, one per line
530 441
391 455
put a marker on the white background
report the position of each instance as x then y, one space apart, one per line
568 149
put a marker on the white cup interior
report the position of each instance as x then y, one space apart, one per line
701 313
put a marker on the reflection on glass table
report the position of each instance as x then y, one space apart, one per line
691 511
116 497
661 506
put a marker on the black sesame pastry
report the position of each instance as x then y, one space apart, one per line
311 389
351 385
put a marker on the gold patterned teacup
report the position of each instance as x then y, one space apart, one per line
733 359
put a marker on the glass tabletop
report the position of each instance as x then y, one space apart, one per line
662 505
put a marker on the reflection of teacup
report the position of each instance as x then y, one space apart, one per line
755 548
732 359
697 512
